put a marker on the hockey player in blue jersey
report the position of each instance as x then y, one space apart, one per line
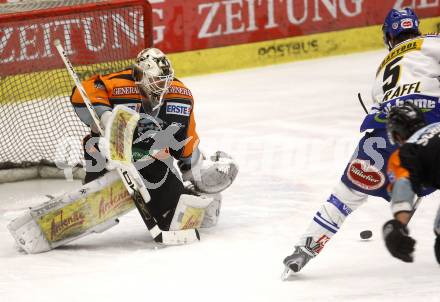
410 72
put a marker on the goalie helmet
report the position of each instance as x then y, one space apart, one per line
403 121
398 22
153 75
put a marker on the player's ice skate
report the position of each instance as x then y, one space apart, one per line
295 262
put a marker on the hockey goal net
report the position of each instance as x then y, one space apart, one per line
38 126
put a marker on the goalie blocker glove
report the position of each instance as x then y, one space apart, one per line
398 241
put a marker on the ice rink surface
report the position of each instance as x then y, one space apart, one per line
292 128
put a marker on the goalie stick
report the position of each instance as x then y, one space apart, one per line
137 189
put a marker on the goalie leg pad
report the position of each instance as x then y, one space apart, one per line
212 211
93 208
28 234
100 228
190 212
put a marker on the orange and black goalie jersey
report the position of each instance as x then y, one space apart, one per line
107 91
418 160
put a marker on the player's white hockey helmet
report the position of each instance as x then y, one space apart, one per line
153 74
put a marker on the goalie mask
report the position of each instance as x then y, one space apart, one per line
153 75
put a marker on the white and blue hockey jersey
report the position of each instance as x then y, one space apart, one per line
410 72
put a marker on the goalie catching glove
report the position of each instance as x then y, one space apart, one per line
213 174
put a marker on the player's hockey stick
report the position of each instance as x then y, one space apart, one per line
137 189
362 103
415 206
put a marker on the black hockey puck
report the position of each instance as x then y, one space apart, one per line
367 234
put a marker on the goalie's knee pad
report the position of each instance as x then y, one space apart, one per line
194 211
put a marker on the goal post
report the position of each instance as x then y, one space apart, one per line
38 126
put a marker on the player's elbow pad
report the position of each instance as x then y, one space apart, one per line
402 196
213 174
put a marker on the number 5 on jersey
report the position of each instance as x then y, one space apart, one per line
391 74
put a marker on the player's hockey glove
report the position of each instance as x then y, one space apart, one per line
437 248
398 241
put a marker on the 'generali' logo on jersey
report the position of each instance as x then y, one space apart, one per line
179 90
125 90
364 175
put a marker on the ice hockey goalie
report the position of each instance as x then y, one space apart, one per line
165 133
